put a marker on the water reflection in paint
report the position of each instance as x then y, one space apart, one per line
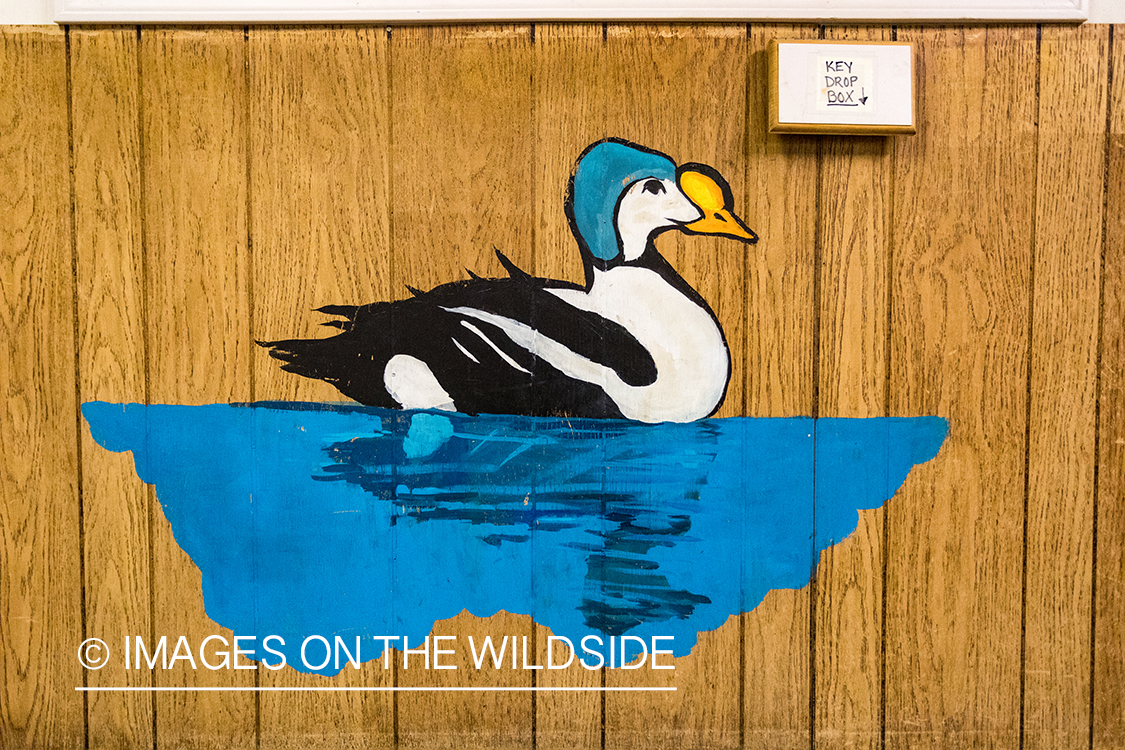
329 519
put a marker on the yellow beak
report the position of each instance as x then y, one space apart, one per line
711 194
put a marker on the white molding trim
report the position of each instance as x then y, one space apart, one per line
354 11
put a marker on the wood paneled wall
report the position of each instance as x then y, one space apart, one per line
170 195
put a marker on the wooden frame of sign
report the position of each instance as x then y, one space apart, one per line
843 88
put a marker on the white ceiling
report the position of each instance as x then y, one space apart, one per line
39 11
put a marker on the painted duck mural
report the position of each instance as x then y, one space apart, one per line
519 444
635 342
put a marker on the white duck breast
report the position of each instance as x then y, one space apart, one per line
692 362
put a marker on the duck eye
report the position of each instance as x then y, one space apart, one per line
656 187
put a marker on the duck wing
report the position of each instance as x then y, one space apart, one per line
478 364
527 301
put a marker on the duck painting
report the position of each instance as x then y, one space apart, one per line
523 445
635 342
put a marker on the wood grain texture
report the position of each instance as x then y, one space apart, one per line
781 188
224 186
1109 622
40 552
319 196
1073 65
461 152
110 272
194 109
854 214
781 185
570 97
854 207
320 231
961 243
461 185
849 633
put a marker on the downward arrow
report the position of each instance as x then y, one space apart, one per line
862 97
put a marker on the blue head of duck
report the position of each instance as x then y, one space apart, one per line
602 176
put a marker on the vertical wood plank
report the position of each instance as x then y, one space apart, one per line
40 575
194 111
962 234
462 152
461 184
781 184
1109 623
111 354
1068 248
320 235
855 185
319 195
570 98
656 74
849 632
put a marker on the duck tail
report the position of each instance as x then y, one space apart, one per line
344 311
320 359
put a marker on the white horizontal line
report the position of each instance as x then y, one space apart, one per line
373 689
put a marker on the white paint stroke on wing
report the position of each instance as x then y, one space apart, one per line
465 351
489 341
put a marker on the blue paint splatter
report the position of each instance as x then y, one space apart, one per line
317 519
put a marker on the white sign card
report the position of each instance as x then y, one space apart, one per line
830 87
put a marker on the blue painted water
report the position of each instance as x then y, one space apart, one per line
318 519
